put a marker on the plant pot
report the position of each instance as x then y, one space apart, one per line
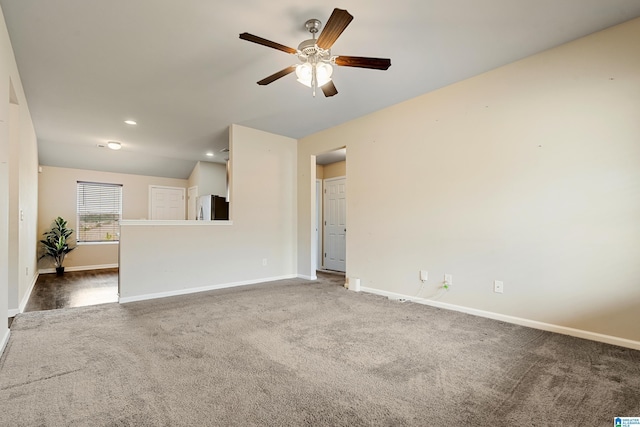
59 271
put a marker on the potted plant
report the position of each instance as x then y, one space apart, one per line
55 244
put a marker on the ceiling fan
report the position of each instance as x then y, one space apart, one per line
315 56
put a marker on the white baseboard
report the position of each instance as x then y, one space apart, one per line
25 299
27 295
302 276
79 268
124 300
579 333
5 341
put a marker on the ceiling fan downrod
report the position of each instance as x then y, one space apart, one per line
313 26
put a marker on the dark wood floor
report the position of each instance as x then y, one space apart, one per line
81 288
74 289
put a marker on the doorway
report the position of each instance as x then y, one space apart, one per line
329 241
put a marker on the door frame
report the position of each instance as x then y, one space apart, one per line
195 187
317 243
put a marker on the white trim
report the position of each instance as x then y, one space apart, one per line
78 268
579 333
25 299
5 341
194 187
316 238
124 300
150 222
27 295
105 242
302 276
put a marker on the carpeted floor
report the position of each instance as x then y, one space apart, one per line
295 353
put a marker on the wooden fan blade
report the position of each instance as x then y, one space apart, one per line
273 77
338 21
329 89
363 62
264 42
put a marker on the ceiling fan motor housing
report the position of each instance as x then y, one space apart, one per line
308 49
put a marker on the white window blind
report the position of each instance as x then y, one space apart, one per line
99 212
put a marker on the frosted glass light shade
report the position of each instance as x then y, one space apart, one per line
304 73
323 73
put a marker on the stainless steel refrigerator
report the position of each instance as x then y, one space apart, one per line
211 207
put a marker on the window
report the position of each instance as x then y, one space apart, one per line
99 212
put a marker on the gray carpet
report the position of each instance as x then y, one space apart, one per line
295 353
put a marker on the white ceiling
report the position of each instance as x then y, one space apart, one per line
180 70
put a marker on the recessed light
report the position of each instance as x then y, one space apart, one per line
114 145
131 122
209 154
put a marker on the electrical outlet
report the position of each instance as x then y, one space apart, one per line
264 261
448 278
498 287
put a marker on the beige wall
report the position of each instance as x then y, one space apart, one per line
210 178
526 174
23 184
18 188
57 197
6 62
166 259
333 170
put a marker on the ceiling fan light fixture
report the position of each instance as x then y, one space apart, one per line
316 60
304 72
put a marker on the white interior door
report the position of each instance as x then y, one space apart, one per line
166 203
192 198
335 229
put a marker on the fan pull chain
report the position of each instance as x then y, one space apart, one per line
314 80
